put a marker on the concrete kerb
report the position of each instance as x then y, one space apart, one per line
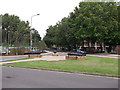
85 73
106 56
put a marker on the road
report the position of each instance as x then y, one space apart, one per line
5 58
14 77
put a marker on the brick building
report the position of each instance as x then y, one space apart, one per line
99 47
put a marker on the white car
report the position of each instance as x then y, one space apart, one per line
4 50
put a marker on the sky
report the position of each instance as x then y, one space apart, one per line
51 11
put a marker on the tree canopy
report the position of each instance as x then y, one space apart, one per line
16 32
91 21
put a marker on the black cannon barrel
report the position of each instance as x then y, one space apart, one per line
78 53
32 53
75 54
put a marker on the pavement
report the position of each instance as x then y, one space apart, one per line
47 58
15 77
96 54
53 58
105 55
6 58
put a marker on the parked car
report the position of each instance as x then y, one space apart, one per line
4 50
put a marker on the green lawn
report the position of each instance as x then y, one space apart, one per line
16 59
91 64
63 55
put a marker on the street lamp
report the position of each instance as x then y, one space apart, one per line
31 30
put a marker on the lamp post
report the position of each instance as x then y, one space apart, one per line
31 30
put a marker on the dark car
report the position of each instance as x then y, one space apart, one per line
78 53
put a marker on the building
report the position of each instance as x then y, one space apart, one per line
99 47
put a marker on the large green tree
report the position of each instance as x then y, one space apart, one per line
91 21
16 32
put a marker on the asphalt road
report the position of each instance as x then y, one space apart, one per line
5 58
14 77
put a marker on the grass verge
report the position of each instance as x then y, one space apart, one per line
63 55
92 64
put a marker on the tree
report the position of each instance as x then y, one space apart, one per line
42 45
91 21
16 32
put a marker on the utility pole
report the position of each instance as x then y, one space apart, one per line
31 30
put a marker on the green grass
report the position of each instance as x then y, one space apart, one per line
63 55
16 59
91 64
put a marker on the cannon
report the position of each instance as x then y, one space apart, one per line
32 52
78 53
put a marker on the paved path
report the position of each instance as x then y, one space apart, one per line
53 58
14 77
105 55
7 58
47 58
97 54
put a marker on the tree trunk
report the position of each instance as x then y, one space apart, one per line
106 52
69 48
110 48
89 46
101 48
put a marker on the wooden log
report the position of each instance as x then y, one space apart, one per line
75 57
66 57
54 54
81 57
34 56
71 57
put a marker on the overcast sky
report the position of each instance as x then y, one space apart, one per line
51 11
